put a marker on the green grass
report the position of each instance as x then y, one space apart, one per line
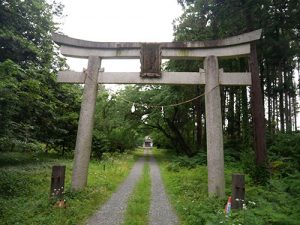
275 204
139 203
25 187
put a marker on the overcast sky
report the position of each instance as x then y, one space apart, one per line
119 20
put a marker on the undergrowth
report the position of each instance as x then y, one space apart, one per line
25 187
276 203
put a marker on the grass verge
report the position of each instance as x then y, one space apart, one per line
137 212
276 204
25 187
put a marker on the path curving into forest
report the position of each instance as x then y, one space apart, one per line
161 212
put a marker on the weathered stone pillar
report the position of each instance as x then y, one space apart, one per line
214 132
85 125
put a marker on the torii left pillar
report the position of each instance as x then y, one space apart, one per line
85 125
214 132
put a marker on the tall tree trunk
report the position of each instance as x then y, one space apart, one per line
230 114
280 88
238 113
298 68
245 117
256 96
295 110
223 104
289 125
286 113
262 82
275 104
199 113
257 110
269 93
288 89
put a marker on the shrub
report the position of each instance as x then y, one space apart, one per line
284 153
187 162
13 184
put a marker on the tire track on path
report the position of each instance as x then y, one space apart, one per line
112 212
161 212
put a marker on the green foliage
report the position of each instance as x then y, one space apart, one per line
172 127
284 153
276 203
176 163
181 162
114 128
278 58
283 156
100 144
25 31
259 174
13 185
34 109
25 185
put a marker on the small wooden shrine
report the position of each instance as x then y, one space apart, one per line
148 142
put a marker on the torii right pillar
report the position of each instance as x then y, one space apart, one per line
214 131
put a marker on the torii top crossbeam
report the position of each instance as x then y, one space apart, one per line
151 54
232 46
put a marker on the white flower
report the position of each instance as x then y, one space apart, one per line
220 212
252 203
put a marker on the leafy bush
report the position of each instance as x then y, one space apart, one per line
100 144
16 145
259 174
274 204
13 184
289 184
16 158
284 153
187 162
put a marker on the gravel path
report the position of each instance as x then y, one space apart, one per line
161 212
112 212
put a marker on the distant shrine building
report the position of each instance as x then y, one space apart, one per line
148 142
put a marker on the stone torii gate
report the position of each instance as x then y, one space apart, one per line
150 55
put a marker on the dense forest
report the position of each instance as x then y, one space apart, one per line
38 114
35 112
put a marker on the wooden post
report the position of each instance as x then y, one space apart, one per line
85 125
57 181
214 132
238 191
